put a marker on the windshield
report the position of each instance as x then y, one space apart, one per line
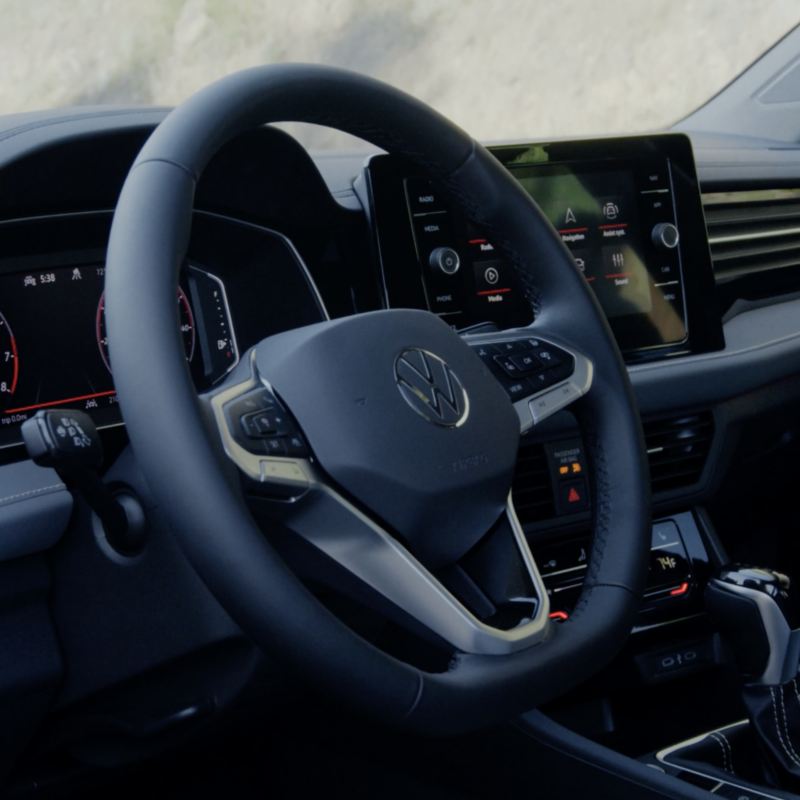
502 69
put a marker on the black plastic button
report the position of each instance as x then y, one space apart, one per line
559 373
256 425
486 352
423 198
506 363
526 362
278 423
432 231
682 658
258 400
542 380
518 389
512 347
549 356
276 446
296 446
563 558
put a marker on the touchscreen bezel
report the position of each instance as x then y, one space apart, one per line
394 241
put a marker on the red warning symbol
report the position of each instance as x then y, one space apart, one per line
573 496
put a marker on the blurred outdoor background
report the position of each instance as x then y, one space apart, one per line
500 68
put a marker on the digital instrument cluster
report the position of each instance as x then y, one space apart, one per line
54 346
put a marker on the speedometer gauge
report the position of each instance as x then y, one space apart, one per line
9 363
186 323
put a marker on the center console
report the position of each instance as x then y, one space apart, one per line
627 209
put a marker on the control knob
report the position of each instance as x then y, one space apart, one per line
445 259
665 235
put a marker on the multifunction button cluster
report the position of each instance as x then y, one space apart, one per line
526 366
259 423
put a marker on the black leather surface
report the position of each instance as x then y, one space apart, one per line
774 713
184 467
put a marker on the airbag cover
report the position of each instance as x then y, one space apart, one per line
405 419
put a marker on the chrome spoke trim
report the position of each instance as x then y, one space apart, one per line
313 509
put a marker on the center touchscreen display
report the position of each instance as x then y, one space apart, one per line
617 219
628 210
597 217
618 222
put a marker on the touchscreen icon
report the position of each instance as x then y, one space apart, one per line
610 210
491 276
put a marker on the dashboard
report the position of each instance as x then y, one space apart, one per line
281 239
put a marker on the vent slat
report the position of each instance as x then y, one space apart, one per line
753 232
678 449
532 491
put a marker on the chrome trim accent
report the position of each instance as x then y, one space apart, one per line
749 196
430 408
748 237
331 523
378 560
286 473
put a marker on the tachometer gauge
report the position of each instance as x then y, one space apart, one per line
9 363
186 323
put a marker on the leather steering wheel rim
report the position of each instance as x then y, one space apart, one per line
191 480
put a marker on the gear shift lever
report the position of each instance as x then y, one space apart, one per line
750 607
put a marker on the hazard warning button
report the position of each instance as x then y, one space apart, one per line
573 497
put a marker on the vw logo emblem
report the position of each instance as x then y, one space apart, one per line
431 388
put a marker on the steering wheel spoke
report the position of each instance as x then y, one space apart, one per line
249 415
540 373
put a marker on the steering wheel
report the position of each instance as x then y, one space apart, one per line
399 442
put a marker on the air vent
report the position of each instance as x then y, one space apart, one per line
532 488
753 232
677 449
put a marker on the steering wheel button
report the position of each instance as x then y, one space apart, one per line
542 380
514 346
518 389
526 363
296 446
486 352
276 446
286 472
278 422
506 363
549 356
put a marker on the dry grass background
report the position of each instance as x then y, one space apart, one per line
500 68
